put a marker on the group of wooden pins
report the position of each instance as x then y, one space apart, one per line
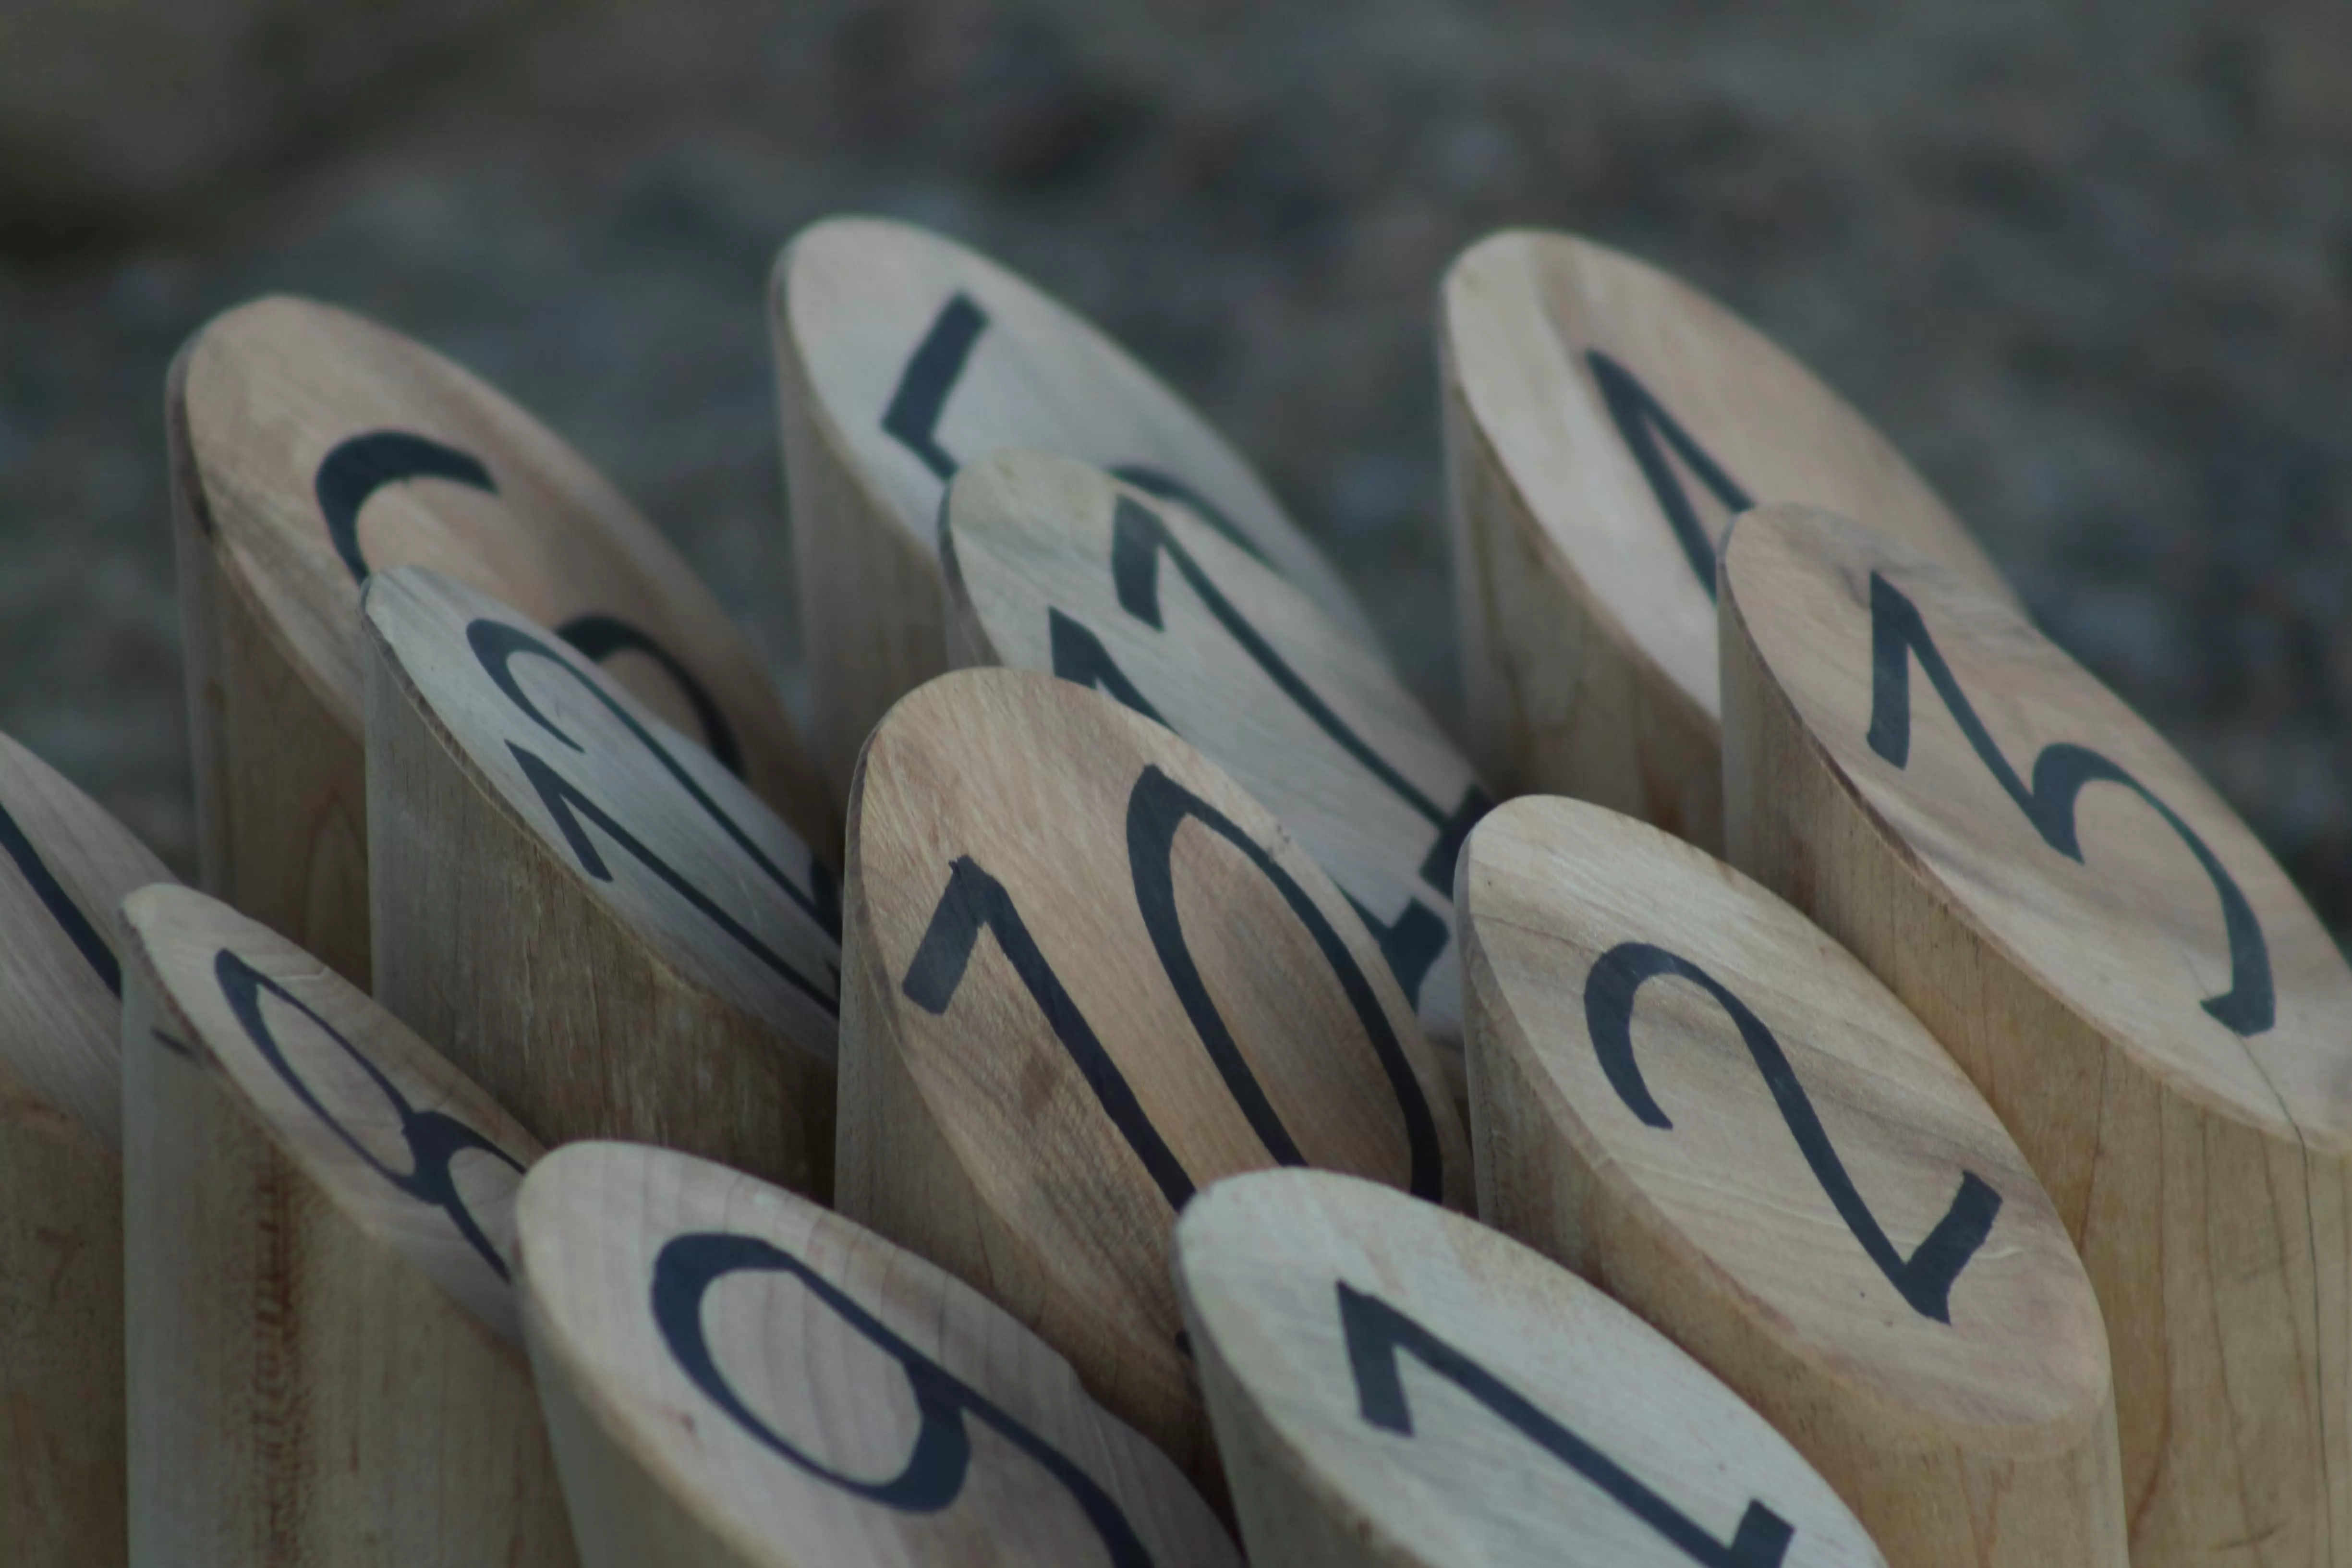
1959 1172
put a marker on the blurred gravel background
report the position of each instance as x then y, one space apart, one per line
2089 264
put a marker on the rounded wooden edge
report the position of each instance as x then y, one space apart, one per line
2064 1410
147 917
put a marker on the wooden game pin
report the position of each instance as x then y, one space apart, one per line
900 356
734 1377
1169 991
326 1363
63 864
1603 423
2123 970
1686 1092
1053 565
594 918
1539 1421
312 448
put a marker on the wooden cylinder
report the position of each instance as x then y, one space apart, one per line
901 355
310 448
1604 423
1683 1090
2114 959
1083 976
1398 1385
593 917
63 864
325 1363
735 1378
1053 565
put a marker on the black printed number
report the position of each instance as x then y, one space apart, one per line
1649 433
1139 539
1925 1279
363 465
435 1138
1897 631
1157 807
1378 1334
496 645
934 1474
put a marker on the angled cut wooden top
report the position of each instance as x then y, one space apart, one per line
2133 936
1558 345
1059 797
569 752
408 1150
65 864
315 447
899 329
1055 566
1332 1302
1587 934
717 1328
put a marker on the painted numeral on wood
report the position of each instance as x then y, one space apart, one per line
1378 1334
1925 1279
1643 423
1898 632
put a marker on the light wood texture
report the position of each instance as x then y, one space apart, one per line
63 864
1603 425
326 1364
735 1378
1685 1091
597 921
901 355
1168 991
1393 1384
2111 955
1053 565
310 448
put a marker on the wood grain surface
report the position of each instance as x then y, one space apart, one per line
2125 972
1393 1384
736 1378
325 1358
312 448
1168 991
1685 1091
1604 423
1054 565
901 355
63 864
595 919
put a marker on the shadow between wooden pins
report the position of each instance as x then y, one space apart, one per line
2130 979
595 918
1604 423
1053 565
901 355
735 1377
68 864
310 450
1394 1385
326 1362
1685 1091
1084 975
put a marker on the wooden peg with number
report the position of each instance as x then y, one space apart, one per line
64 866
312 448
1685 1091
1603 425
735 1378
1054 565
594 918
325 1359
1083 975
1540 1422
901 356
2132 981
